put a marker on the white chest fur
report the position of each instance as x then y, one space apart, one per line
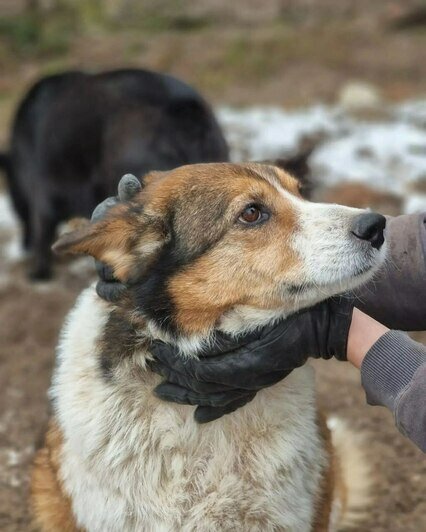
133 463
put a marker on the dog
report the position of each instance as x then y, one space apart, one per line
75 134
203 248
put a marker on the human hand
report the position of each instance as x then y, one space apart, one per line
108 287
229 375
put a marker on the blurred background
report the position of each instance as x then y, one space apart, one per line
338 86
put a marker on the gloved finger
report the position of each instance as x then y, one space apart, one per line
247 365
128 187
222 342
185 380
221 369
101 209
104 272
177 394
170 356
265 380
205 414
110 291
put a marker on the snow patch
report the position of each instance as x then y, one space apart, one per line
13 250
413 112
260 133
384 156
415 203
7 216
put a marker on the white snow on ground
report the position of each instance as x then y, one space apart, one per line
11 247
412 111
384 156
270 132
414 203
7 216
388 155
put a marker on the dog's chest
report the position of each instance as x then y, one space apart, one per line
131 462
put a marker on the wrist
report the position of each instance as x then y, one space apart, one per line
364 332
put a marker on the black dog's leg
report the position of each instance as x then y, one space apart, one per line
21 206
26 229
44 226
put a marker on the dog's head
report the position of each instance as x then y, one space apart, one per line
204 239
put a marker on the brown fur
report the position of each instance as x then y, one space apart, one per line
51 507
109 241
195 290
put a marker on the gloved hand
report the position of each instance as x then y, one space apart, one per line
108 287
229 375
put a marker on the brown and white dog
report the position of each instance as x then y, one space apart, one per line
204 247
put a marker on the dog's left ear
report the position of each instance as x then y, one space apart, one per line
125 240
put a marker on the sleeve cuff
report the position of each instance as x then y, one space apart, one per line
389 366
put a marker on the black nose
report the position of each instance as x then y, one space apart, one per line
370 227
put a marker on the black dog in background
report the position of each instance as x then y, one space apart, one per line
75 134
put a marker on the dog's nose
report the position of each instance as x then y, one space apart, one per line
370 227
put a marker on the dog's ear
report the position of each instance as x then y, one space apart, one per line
125 240
297 166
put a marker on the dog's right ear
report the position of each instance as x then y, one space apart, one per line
123 240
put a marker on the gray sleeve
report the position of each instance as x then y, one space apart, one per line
393 374
397 295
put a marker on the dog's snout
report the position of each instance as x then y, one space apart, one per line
370 227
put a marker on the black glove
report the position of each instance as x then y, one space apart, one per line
229 375
108 287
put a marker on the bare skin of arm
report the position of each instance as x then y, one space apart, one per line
363 334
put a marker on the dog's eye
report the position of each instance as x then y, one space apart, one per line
252 214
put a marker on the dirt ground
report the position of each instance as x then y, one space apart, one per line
241 58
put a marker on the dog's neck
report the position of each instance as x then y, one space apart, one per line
244 319
239 320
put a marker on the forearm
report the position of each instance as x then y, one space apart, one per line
363 334
393 373
397 294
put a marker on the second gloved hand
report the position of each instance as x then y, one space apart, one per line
108 288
